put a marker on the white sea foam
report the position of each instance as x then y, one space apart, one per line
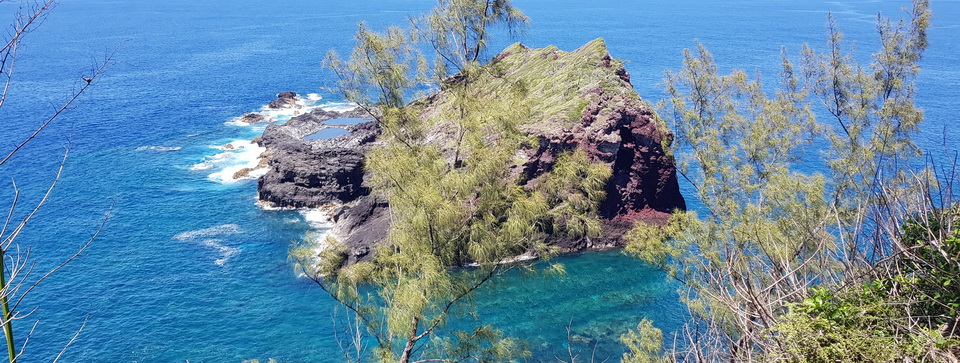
269 206
320 227
159 148
205 236
339 106
276 114
301 106
526 256
318 218
235 156
225 251
221 230
237 122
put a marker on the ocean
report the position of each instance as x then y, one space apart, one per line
189 268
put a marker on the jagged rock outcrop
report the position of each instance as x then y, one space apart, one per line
252 118
580 99
361 225
284 99
312 173
584 99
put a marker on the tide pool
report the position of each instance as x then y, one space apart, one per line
327 133
345 121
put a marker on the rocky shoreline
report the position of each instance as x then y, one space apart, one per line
605 118
313 173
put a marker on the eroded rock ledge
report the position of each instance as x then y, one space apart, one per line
313 173
580 99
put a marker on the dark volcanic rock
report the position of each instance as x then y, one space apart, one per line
284 99
252 118
313 173
360 225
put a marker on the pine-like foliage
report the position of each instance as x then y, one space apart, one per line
446 163
771 234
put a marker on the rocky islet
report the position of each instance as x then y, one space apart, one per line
580 100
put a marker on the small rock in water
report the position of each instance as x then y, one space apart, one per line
242 173
264 161
252 118
284 99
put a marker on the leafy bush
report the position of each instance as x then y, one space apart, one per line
909 317
932 261
852 326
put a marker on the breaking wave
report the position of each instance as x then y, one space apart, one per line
238 160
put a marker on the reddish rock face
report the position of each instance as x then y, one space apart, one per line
644 179
615 127
622 132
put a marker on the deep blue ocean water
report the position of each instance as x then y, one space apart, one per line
189 269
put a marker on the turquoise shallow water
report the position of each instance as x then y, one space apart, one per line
188 268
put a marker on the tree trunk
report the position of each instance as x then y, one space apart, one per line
411 341
7 317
